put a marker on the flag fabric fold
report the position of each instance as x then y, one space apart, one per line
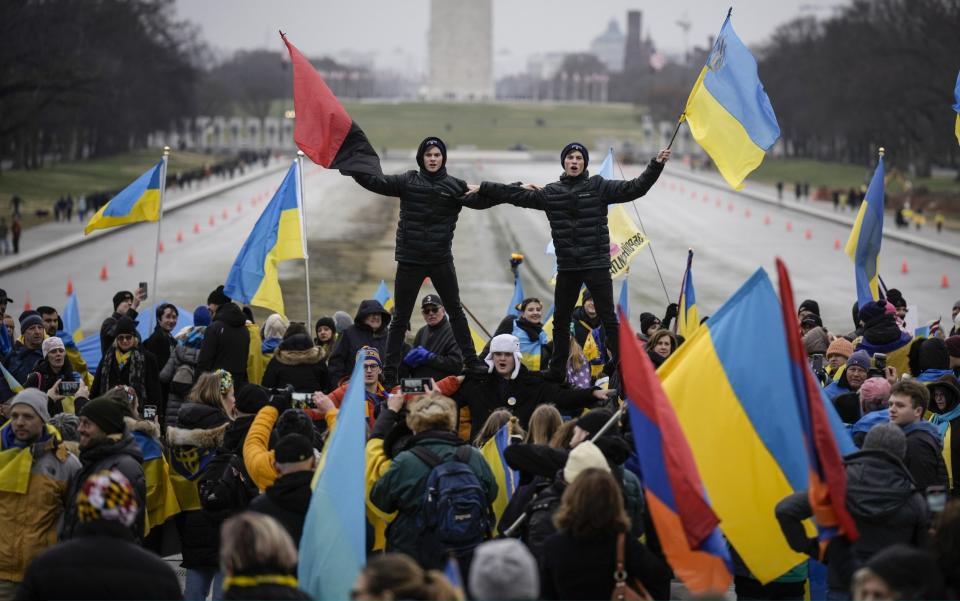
828 479
626 239
382 296
866 237
140 201
518 295
686 525
729 112
322 128
507 478
333 543
277 236
71 318
747 441
688 320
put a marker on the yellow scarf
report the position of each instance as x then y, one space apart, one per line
122 358
241 581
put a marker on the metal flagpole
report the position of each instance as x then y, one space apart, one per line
156 248
649 241
303 234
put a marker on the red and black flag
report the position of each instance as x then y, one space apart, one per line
323 129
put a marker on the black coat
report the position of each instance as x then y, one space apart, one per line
924 457
102 562
577 210
437 339
487 393
226 343
262 592
161 344
287 502
429 207
354 338
123 455
149 394
106 328
297 362
583 569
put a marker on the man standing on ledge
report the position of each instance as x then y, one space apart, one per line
576 207
430 202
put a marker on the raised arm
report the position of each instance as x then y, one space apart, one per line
617 191
528 197
387 185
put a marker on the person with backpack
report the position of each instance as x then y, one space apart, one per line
288 498
180 372
433 485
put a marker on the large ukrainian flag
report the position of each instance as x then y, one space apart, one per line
277 236
507 479
730 386
140 201
728 111
863 245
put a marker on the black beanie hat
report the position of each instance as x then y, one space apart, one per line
810 305
121 296
646 320
217 297
575 146
124 325
326 321
593 421
293 448
427 143
106 413
250 398
896 298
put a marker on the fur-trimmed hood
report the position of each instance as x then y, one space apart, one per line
143 426
197 437
299 357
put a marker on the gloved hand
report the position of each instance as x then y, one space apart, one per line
281 400
418 356
672 311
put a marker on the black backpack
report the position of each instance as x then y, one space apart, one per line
225 487
454 516
539 525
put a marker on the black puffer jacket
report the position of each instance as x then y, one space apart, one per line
298 363
355 337
226 343
577 210
287 501
429 207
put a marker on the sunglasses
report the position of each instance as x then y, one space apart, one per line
428 310
123 337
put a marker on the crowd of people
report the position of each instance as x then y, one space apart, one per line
203 441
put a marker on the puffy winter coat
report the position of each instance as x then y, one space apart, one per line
298 363
448 360
180 372
354 338
429 207
226 343
577 210
287 501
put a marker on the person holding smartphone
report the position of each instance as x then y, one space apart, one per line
125 304
55 375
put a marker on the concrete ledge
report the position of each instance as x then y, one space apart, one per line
70 242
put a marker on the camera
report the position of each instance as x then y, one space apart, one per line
298 400
880 361
414 385
149 411
69 388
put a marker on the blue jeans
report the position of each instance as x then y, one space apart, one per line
198 584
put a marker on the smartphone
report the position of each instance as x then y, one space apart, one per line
817 362
69 388
149 411
414 385
880 361
936 498
143 286
302 400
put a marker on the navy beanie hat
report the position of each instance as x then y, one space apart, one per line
575 146
427 143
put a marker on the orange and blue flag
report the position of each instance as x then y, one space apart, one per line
748 440
689 320
277 236
685 523
828 479
729 112
507 479
863 245
140 201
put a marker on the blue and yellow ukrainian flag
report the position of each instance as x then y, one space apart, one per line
689 320
623 304
518 295
277 236
956 107
140 201
162 501
382 296
71 318
863 245
507 479
747 442
728 111
12 383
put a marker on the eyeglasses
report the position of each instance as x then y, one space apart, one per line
430 309
124 337
370 366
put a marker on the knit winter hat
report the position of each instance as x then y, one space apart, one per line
124 325
811 320
886 436
647 320
575 146
584 456
953 344
121 296
326 321
50 344
106 413
504 569
370 354
593 421
342 320
896 298
816 341
873 389
35 399
293 448
861 359
201 316
873 311
275 326
840 346
251 398
933 354
107 495
505 343
218 297
29 319
810 305
431 142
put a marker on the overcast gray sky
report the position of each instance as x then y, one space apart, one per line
396 30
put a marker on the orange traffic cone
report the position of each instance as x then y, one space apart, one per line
225 215
808 235
836 244
130 261
903 267
211 222
196 227
69 286
766 220
161 248
179 235
103 273
789 227
944 282
26 302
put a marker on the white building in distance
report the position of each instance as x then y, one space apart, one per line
460 47
609 47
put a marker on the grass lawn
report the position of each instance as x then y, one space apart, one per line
40 188
838 175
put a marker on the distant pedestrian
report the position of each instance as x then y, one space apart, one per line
15 202
15 231
797 191
779 190
81 207
68 207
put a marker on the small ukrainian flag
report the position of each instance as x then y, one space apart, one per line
140 201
